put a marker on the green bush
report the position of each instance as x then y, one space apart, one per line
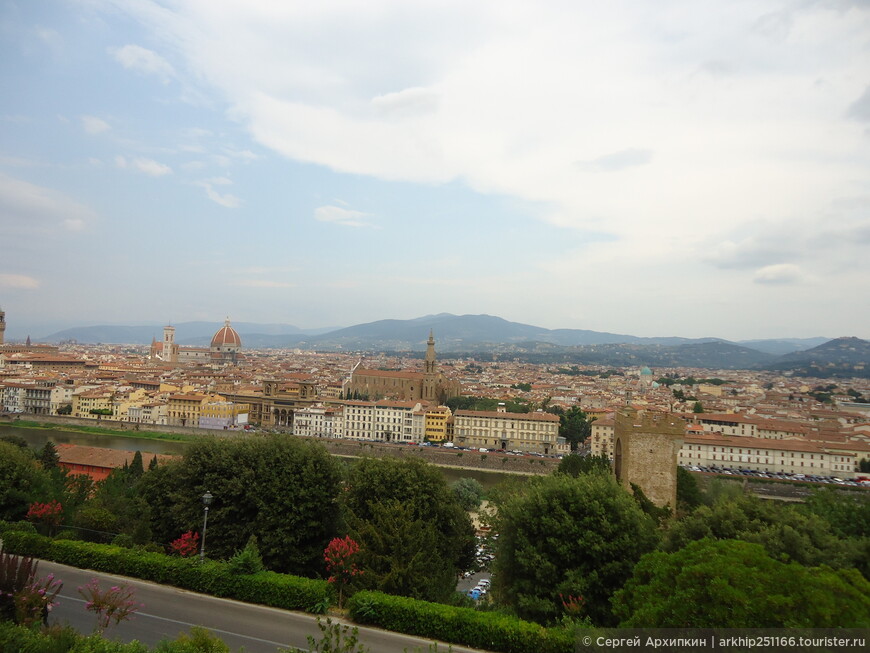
464 626
56 639
211 577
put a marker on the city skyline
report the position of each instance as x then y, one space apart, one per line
698 170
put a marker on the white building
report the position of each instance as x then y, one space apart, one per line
766 455
532 432
319 422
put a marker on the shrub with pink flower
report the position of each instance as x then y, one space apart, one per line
113 605
339 555
186 545
35 601
49 514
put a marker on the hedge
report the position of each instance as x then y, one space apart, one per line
210 577
464 626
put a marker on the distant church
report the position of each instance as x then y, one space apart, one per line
225 348
428 385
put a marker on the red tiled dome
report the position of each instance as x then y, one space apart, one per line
226 336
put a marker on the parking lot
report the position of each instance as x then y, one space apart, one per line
802 478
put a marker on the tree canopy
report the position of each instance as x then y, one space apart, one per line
574 426
575 464
414 536
282 490
735 584
566 536
22 481
785 532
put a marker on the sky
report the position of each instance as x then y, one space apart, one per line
682 167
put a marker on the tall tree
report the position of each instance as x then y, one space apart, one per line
22 481
574 426
567 536
414 536
48 456
282 490
136 467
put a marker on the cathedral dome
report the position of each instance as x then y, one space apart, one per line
226 336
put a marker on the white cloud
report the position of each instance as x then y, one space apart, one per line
339 215
783 273
30 210
408 102
228 201
94 125
18 281
148 166
508 97
135 57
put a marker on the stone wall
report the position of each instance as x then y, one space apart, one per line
444 457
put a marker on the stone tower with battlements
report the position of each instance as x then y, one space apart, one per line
645 449
2 325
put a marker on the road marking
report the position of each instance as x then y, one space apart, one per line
188 624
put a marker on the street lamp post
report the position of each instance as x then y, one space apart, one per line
206 502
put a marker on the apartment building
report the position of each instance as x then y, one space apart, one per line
766 455
319 422
388 420
532 432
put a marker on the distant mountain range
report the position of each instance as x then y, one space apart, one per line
490 335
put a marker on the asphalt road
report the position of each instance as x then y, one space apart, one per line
169 611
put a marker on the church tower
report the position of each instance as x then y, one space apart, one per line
430 371
2 325
430 365
170 350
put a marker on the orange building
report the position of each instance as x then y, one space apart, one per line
98 462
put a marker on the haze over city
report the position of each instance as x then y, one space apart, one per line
676 168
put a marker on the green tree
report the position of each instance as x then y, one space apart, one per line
847 513
136 467
787 533
734 584
280 489
22 481
414 537
469 493
574 464
570 536
574 426
698 407
689 495
48 456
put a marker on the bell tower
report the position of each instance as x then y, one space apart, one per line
169 348
2 325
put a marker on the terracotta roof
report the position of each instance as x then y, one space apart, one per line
538 417
226 335
74 454
390 374
745 442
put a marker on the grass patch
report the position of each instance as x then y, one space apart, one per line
75 428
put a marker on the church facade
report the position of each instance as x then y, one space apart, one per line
428 385
225 348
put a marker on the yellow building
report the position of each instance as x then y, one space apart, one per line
93 399
186 409
223 415
122 402
435 424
